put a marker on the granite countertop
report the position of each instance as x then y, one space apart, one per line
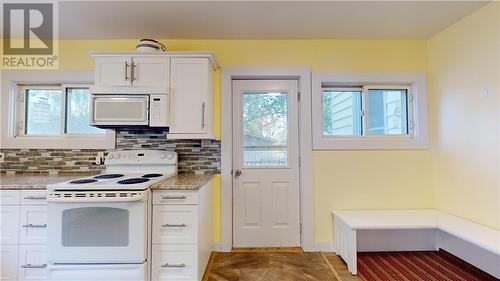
31 182
183 182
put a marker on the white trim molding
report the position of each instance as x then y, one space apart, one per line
9 139
416 84
303 76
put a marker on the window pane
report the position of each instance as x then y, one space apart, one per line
77 112
342 113
43 111
387 112
265 129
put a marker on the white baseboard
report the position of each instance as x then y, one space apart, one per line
216 247
321 246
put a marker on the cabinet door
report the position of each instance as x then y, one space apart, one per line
8 262
113 71
32 262
151 72
175 224
10 197
33 225
174 262
9 225
190 85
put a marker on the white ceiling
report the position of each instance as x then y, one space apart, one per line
259 19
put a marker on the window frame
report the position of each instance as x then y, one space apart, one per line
22 104
413 83
14 83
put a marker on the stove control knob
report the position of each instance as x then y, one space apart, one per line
118 156
170 155
163 155
111 156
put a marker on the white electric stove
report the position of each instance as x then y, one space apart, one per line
98 226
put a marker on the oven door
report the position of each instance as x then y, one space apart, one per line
119 110
97 232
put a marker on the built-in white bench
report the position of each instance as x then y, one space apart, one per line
415 230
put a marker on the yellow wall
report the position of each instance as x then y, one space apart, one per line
463 60
342 179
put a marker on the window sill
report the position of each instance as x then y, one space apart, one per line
60 142
370 143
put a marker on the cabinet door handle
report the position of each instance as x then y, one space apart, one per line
203 115
34 266
132 72
35 197
126 70
174 225
34 225
173 197
173 265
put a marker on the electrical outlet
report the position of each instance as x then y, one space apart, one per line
99 159
1 157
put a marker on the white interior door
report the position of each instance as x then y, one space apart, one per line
266 209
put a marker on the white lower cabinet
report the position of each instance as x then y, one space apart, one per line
23 227
32 262
9 225
33 225
175 224
182 234
175 262
8 262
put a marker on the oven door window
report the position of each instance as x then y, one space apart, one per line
95 227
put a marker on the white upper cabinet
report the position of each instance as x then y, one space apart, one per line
148 72
135 71
191 83
186 76
113 71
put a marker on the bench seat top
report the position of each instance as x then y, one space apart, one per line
482 236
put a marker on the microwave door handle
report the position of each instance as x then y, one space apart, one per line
91 110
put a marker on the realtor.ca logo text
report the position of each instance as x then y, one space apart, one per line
30 36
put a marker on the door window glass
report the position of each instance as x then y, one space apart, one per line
95 227
265 129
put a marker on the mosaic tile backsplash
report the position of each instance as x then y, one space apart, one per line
192 156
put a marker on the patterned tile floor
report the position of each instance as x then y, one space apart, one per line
271 266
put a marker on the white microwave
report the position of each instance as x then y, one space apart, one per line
122 110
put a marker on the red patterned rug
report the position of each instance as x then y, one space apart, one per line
417 266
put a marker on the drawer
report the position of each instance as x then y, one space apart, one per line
10 197
174 262
175 197
33 197
8 262
33 225
175 224
9 225
32 262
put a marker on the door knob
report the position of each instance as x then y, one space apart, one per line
237 173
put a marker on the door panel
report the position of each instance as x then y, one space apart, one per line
113 71
33 225
151 72
265 161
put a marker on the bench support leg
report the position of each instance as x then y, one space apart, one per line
345 244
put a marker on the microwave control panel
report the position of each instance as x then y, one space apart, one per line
159 111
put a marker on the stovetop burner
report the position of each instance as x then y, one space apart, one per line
153 175
108 176
132 181
82 181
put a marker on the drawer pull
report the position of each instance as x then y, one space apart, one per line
35 197
174 225
34 266
173 265
174 197
34 225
